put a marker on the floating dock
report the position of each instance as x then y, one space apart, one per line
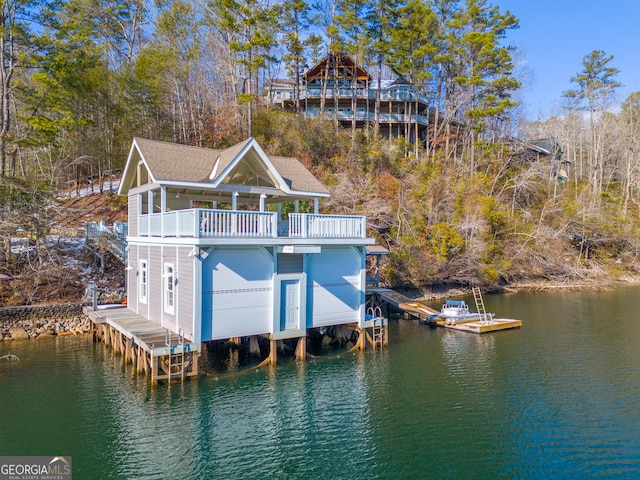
423 314
151 348
476 325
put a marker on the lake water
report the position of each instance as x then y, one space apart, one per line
558 398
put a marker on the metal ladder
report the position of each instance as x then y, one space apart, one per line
477 297
378 327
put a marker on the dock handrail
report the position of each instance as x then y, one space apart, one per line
374 312
486 318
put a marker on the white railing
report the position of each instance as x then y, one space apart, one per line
234 223
115 240
303 225
348 92
370 116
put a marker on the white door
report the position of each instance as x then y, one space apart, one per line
289 304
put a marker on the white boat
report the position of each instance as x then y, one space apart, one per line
457 311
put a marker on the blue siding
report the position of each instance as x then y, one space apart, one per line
334 290
237 293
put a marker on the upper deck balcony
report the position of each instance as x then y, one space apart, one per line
213 223
232 196
406 93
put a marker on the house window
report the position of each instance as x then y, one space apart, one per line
169 288
142 281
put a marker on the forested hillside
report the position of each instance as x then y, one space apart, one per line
469 205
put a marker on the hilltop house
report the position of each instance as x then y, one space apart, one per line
211 255
337 88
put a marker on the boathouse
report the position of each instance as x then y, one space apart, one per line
231 243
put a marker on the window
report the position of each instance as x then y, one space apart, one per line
169 288
142 281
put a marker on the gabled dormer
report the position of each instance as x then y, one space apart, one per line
243 171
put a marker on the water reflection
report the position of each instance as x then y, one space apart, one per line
557 399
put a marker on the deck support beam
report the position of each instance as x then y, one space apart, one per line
149 354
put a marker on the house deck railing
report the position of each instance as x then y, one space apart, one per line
304 225
347 115
203 223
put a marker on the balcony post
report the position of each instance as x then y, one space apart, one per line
233 214
163 208
150 208
274 225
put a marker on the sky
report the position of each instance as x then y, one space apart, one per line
554 37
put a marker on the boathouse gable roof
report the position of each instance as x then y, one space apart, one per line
244 165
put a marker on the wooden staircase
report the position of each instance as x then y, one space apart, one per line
114 241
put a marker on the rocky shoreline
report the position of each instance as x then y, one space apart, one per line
440 292
40 321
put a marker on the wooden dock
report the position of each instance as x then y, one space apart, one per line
423 314
476 325
153 349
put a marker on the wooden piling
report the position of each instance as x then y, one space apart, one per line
146 349
362 339
301 349
273 354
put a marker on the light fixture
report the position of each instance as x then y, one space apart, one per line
177 194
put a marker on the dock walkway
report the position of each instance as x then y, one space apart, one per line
423 314
152 348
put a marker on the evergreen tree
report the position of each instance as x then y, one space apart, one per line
445 70
19 23
595 90
351 18
248 27
295 14
383 18
412 58
486 68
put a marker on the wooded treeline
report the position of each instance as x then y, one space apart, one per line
80 78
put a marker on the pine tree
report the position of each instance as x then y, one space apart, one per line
486 68
295 15
19 24
383 18
248 28
412 35
595 90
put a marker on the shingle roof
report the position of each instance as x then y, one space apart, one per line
182 163
171 161
297 175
